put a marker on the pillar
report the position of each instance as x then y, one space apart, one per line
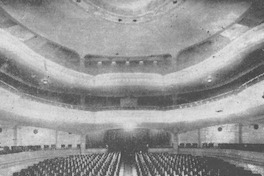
56 139
83 144
175 142
240 141
199 138
15 135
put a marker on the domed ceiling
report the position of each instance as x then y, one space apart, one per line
155 28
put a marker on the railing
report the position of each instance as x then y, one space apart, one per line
181 106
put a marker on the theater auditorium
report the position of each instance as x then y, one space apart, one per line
131 88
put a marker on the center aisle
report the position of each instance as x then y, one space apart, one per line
128 167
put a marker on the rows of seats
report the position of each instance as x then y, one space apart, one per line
17 149
188 145
195 145
245 146
235 146
107 164
163 164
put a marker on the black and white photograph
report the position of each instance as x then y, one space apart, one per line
131 87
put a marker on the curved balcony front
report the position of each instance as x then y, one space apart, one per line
247 104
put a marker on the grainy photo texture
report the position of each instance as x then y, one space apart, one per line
131 88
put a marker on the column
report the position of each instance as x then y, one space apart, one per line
240 141
56 139
174 142
83 143
199 138
15 135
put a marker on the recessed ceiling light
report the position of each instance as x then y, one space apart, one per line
45 81
209 79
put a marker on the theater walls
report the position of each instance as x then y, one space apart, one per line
11 135
189 137
253 133
65 138
220 134
229 133
7 136
25 135
35 136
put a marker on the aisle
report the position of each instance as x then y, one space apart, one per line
127 166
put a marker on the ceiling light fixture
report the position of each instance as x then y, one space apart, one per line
209 79
45 81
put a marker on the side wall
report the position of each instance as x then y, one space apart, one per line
25 135
228 133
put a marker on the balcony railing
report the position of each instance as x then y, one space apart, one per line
118 107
